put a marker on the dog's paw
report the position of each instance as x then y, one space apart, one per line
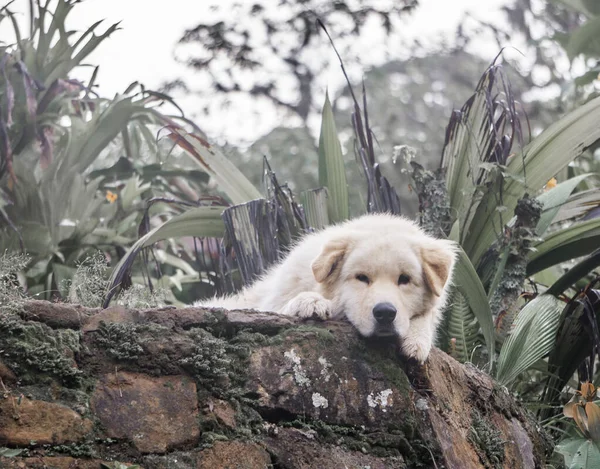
416 348
308 305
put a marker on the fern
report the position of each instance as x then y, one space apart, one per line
462 329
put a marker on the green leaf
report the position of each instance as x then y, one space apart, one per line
467 282
571 348
36 238
314 202
462 155
332 173
62 276
554 199
575 273
543 158
534 333
230 179
585 39
91 138
579 453
578 205
455 232
199 222
166 258
574 241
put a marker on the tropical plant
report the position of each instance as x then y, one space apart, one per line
75 168
525 210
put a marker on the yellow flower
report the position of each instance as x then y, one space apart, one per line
551 184
111 196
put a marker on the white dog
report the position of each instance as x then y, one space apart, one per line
381 271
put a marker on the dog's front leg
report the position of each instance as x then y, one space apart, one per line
308 304
419 339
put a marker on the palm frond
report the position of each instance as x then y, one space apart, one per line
467 282
532 337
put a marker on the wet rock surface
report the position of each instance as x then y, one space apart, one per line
199 388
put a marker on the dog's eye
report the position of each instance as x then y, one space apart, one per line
403 279
363 278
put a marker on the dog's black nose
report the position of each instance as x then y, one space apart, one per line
384 313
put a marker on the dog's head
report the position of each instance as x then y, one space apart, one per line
383 278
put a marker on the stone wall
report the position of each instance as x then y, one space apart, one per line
195 388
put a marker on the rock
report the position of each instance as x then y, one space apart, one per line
220 455
155 413
468 437
115 314
294 449
265 390
56 315
309 377
55 463
234 455
190 317
221 411
454 412
6 374
24 422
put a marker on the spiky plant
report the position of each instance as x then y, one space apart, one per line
74 167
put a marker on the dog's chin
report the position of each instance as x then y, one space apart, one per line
375 331
381 332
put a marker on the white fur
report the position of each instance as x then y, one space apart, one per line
318 278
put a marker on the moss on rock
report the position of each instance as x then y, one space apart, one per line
34 350
487 439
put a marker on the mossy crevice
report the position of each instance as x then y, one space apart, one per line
384 444
487 439
36 352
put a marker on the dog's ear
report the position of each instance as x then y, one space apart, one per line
439 256
330 259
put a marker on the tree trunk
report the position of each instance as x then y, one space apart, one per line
199 388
